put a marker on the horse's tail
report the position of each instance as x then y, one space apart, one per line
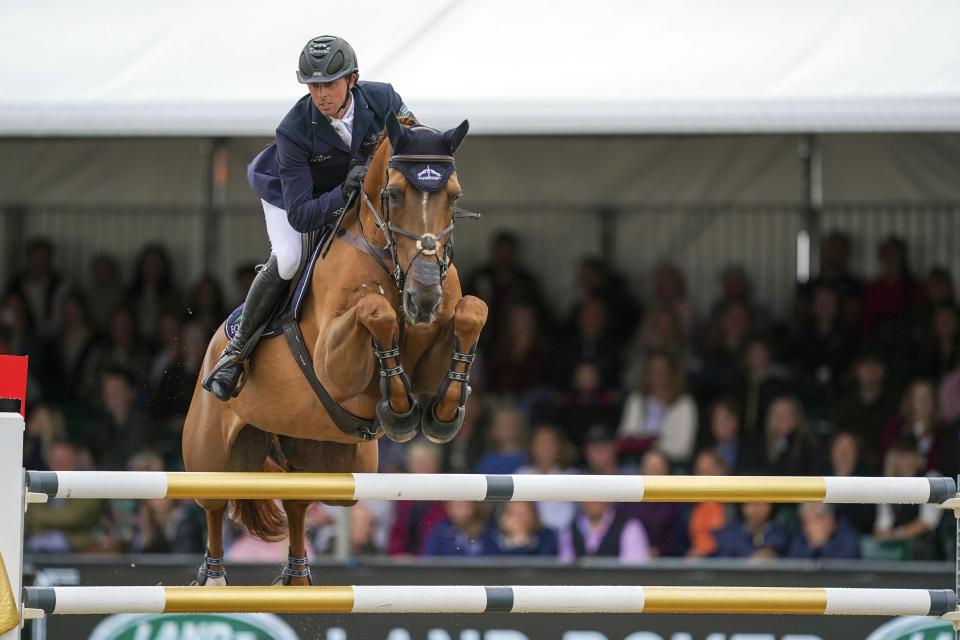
264 519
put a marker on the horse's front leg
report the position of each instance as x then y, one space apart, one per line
347 352
443 416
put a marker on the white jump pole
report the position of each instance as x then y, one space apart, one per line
489 599
477 487
11 533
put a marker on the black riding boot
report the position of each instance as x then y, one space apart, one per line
265 293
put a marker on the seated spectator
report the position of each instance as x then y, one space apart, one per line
42 287
205 303
61 525
670 292
363 527
414 519
866 408
706 517
762 380
520 360
465 531
940 347
599 530
507 447
46 426
919 418
122 428
889 299
845 462
949 396
121 347
595 279
153 289
164 526
600 452
836 251
791 450
521 534
742 455
66 357
106 285
660 414
661 331
916 523
823 347
588 402
20 327
591 340
754 535
550 453
722 354
822 536
661 520
169 382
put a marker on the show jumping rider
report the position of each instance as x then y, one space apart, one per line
305 177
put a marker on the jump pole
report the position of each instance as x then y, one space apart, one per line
476 487
492 599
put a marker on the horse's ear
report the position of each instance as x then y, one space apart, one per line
454 137
395 130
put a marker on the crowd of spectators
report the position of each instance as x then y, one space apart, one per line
860 377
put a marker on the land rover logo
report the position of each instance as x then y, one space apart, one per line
249 626
914 628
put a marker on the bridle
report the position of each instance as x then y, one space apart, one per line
427 244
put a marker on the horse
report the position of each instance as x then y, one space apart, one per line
383 344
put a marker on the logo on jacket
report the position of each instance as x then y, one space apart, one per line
429 175
320 158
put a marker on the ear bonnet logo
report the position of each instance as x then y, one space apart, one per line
429 175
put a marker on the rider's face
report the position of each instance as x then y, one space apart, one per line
328 96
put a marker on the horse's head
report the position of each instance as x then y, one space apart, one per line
420 188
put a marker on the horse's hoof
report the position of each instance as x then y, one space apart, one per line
436 430
400 427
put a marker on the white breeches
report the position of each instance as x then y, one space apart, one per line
285 242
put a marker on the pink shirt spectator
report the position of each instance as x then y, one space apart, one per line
633 547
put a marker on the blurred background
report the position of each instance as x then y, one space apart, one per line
717 238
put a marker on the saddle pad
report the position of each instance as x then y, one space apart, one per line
294 302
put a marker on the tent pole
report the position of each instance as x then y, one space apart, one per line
215 201
808 240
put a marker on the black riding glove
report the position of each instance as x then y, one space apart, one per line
354 179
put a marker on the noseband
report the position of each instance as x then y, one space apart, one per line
427 244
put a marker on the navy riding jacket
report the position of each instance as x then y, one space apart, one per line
302 170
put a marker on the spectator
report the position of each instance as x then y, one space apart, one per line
755 535
122 429
121 347
153 290
660 414
912 522
791 448
865 409
835 272
919 418
940 347
17 319
938 288
670 293
599 530
600 452
722 355
762 381
661 331
414 519
588 402
70 352
465 531
205 303
845 462
661 520
949 395
502 283
166 394
706 517
520 360
42 287
591 340
739 454
889 299
550 453
46 426
61 525
507 449
107 289
521 534
823 346
822 536
595 279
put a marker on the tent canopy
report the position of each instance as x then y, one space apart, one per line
179 67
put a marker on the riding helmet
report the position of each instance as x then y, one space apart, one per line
326 58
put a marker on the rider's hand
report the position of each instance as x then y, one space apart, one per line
354 180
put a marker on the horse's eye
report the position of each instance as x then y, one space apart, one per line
394 197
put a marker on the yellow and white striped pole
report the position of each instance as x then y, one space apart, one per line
412 486
489 599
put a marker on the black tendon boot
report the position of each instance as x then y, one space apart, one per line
265 293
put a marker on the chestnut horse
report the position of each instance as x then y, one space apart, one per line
388 333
